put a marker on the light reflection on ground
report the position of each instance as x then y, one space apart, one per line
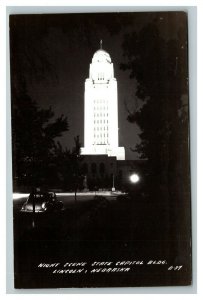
19 195
98 193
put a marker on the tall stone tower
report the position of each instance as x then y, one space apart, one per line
101 109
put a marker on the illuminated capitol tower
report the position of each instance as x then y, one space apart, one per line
101 109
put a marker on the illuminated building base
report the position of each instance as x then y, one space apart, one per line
118 152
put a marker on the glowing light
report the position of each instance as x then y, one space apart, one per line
101 107
19 195
134 178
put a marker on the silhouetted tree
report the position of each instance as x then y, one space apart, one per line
34 131
159 67
75 165
69 167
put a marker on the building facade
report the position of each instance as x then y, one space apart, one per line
104 172
101 109
103 161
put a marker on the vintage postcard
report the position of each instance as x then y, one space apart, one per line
100 150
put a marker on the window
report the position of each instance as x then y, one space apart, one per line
85 168
101 168
94 168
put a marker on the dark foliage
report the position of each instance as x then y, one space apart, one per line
34 133
160 68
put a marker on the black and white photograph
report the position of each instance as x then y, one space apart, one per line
100 149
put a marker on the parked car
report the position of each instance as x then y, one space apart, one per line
42 202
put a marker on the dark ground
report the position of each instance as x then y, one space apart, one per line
102 230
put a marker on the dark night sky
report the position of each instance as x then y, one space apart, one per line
66 44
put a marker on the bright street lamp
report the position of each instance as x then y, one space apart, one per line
134 178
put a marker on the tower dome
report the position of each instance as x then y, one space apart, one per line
101 56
